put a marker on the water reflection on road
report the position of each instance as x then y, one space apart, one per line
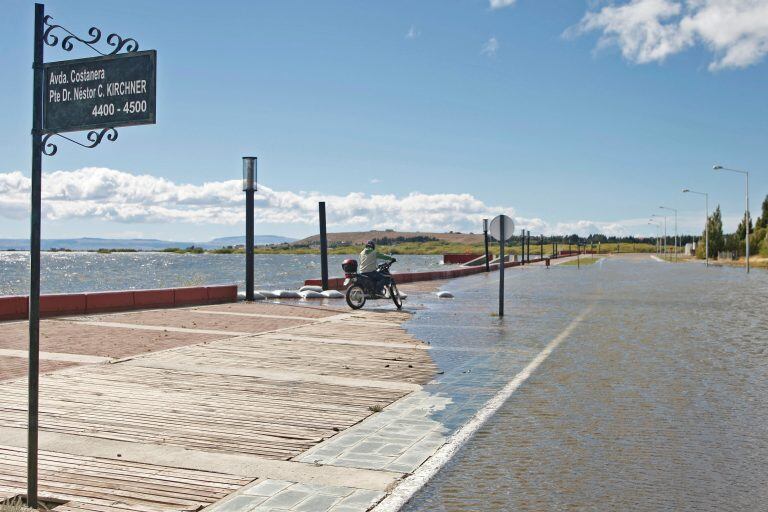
657 401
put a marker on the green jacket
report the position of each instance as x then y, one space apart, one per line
368 259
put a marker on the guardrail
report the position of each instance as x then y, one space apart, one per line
16 307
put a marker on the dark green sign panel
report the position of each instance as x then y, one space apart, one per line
100 92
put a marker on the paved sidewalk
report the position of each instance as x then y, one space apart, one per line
240 391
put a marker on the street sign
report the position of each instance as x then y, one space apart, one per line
509 227
99 92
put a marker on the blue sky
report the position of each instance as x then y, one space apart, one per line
556 111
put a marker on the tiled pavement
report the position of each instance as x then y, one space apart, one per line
400 438
280 495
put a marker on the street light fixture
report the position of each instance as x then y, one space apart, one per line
249 187
746 195
665 229
658 235
706 220
673 210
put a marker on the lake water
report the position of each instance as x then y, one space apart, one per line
64 272
658 400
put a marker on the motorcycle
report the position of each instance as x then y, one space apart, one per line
361 287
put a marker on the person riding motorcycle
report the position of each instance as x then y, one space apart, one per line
369 266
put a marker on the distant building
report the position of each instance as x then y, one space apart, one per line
690 249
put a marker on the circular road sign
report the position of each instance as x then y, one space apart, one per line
509 227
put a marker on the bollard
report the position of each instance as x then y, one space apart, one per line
485 238
323 247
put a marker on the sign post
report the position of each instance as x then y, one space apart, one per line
502 229
96 94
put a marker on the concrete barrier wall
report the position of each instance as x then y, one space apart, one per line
452 259
337 283
16 307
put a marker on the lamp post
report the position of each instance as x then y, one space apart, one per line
706 220
658 235
672 210
485 239
665 229
746 196
249 187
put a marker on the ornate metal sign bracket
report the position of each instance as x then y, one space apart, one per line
119 43
94 138
130 44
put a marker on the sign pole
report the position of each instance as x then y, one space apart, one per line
34 254
95 94
323 247
502 240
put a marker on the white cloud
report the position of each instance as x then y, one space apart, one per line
490 47
102 194
111 195
498 4
375 181
735 31
412 33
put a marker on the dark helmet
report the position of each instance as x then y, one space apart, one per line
370 244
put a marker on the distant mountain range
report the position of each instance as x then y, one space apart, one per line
140 244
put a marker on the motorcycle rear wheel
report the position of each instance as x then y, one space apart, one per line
355 296
395 294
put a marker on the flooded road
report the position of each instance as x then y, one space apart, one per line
658 400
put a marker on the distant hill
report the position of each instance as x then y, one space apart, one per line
240 240
139 244
360 237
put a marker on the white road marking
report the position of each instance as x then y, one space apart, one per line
430 468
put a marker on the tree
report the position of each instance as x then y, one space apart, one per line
762 221
716 239
741 231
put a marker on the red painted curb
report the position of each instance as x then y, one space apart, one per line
14 307
108 301
222 293
153 298
190 295
62 304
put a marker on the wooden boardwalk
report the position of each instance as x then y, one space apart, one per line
301 377
103 485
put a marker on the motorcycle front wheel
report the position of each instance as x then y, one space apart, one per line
356 296
395 294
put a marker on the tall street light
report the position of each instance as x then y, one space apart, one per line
665 229
249 187
658 235
672 210
746 195
706 219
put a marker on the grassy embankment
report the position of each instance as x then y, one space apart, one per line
583 260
